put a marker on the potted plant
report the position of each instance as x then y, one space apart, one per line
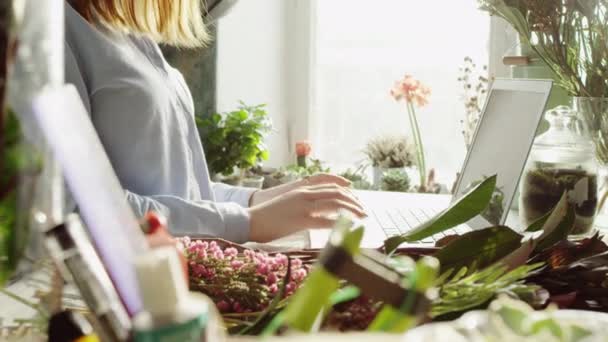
389 152
358 179
396 180
234 141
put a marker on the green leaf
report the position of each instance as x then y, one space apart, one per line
479 248
314 295
538 224
390 320
344 295
467 207
560 233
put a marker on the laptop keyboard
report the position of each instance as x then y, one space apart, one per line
400 221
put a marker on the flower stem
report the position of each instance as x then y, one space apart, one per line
418 141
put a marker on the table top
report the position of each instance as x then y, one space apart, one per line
32 284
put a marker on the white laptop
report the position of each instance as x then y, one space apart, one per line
502 142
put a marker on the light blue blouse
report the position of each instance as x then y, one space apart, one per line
144 115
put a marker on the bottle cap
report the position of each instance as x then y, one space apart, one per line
161 281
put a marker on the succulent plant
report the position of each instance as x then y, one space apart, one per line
395 180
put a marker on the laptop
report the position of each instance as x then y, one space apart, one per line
501 144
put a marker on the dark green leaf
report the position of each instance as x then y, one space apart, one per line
560 233
479 248
538 224
467 207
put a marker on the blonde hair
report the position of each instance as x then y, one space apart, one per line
174 22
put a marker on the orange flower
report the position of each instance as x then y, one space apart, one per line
303 148
412 90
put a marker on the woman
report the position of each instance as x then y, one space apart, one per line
144 115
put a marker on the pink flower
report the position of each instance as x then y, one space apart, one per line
298 275
271 279
199 271
412 90
218 254
213 245
281 259
290 288
231 252
249 254
236 264
303 148
223 306
262 269
185 242
273 288
296 263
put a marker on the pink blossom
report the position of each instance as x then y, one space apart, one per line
236 264
223 306
296 263
249 254
298 275
213 245
412 90
201 254
274 288
199 271
271 278
186 240
260 257
281 259
261 269
218 254
231 252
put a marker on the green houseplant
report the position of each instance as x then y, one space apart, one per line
235 140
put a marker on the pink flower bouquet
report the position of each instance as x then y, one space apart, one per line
239 282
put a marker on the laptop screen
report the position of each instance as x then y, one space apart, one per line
501 145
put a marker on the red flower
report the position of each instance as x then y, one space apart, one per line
303 148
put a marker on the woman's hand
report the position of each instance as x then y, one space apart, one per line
262 196
306 207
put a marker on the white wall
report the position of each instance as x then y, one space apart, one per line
251 63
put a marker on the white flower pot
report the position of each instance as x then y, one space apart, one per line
253 182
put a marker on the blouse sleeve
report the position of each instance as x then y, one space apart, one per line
201 218
228 193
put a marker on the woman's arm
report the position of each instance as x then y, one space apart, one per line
202 218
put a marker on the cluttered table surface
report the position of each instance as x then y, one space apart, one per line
19 301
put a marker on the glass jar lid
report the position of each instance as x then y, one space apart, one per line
567 139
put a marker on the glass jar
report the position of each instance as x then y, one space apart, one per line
562 160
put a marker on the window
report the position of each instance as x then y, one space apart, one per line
361 47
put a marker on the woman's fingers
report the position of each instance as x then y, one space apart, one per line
334 206
332 193
326 178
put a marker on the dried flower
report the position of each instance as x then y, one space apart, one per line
475 85
239 282
390 152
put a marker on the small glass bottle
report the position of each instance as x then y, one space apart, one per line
562 160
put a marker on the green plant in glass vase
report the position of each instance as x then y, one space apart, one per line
571 38
235 140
